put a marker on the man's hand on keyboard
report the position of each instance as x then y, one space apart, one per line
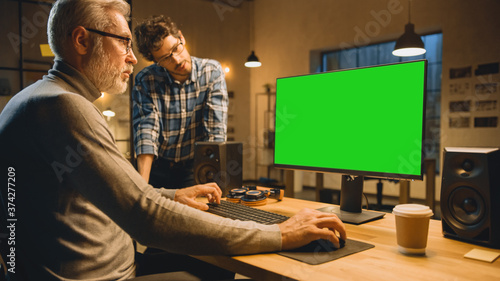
188 195
309 225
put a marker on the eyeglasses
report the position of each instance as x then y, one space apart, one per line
176 50
126 41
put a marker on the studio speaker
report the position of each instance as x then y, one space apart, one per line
219 162
470 195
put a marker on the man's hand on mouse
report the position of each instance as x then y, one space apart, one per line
309 225
188 195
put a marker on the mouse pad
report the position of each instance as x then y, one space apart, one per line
317 253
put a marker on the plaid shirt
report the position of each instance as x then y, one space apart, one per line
169 117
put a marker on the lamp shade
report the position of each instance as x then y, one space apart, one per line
108 113
409 44
252 61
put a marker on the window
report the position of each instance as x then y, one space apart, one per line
382 54
25 31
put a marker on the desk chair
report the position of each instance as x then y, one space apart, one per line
3 270
4 234
178 275
3 241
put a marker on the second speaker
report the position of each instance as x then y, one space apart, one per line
219 162
470 192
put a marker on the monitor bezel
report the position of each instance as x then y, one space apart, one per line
371 174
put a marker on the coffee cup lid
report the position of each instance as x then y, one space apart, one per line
412 210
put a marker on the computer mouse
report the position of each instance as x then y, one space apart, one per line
327 244
341 242
321 245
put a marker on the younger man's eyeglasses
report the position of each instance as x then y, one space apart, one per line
176 50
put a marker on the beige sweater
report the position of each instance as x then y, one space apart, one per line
80 203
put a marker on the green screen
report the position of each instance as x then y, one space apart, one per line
365 121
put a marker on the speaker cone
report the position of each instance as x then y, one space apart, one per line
206 173
467 205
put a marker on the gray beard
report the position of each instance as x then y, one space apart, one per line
103 75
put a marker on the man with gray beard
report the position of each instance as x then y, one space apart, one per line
74 202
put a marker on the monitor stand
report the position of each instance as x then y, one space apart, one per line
351 195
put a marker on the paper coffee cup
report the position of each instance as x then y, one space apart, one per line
412 227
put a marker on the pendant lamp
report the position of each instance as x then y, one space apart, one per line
108 113
252 61
409 44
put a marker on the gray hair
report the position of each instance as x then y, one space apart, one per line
66 15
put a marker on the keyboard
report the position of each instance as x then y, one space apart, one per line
244 213
241 212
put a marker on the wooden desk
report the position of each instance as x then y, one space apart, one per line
444 259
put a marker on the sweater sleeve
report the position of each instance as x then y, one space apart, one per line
216 106
69 128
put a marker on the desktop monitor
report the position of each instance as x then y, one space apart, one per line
366 121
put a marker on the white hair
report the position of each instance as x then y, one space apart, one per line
66 15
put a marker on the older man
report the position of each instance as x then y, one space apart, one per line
75 202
